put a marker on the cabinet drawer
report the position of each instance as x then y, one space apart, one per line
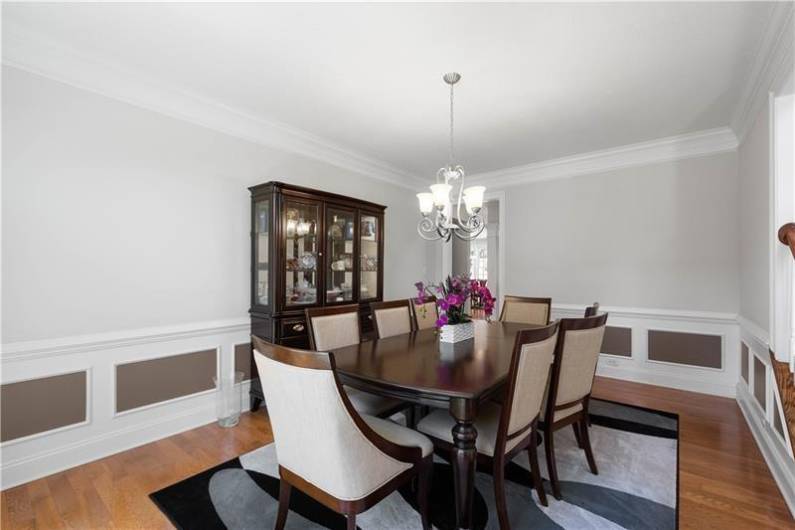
293 327
296 342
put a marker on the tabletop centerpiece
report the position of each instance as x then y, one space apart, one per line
453 294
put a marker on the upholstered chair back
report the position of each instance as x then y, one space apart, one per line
526 310
315 433
335 330
579 344
392 318
532 373
426 314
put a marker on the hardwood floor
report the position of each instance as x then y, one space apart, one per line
724 482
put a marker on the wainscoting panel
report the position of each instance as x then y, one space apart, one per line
755 390
243 359
760 382
165 387
43 404
692 349
617 341
142 383
744 361
711 363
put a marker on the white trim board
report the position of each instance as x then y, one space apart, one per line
690 145
781 466
47 348
38 54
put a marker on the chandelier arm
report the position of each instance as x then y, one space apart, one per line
469 236
426 229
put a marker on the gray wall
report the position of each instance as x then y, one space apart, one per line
754 211
121 218
659 236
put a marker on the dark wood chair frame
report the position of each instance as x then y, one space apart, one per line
407 303
313 312
578 420
529 433
426 300
422 467
526 300
592 310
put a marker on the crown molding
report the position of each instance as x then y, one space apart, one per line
774 60
42 56
700 143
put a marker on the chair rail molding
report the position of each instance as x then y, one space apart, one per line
41 55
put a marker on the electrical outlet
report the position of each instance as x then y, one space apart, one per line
611 362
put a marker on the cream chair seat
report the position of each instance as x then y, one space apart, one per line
439 424
399 434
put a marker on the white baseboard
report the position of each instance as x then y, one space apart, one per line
778 460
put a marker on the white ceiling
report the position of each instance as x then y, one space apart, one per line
540 81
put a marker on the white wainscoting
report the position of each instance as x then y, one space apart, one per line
638 368
105 432
776 449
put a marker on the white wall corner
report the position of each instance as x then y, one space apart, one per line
40 55
773 62
679 147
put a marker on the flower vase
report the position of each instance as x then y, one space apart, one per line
452 333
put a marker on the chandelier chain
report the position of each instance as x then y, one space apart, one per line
452 145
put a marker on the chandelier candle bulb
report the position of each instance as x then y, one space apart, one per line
441 194
426 202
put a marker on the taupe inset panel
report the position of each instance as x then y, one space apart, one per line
759 382
39 405
680 347
243 359
777 423
744 361
154 380
617 341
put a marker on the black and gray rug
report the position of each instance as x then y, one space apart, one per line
636 451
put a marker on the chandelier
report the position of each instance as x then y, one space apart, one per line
439 221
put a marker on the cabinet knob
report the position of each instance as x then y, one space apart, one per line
298 327
370 317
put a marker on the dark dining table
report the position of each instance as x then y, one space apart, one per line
412 367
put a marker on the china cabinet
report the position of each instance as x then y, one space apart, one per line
310 248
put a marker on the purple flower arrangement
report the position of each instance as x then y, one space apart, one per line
452 296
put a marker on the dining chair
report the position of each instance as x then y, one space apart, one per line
592 310
336 327
425 314
569 389
507 430
391 318
345 461
526 310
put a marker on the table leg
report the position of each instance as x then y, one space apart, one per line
464 459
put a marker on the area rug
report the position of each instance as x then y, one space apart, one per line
636 452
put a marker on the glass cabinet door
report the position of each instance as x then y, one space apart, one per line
369 240
262 220
340 224
301 252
